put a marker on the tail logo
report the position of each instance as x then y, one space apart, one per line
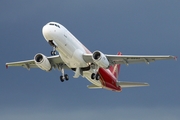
116 68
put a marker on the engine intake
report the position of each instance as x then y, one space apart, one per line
100 59
96 55
42 62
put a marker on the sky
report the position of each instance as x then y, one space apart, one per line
134 27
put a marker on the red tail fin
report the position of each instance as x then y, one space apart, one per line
115 69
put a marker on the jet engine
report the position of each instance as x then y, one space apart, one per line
100 59
42 62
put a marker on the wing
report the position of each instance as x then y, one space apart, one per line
54 61
129 59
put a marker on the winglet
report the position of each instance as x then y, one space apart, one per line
175 58
6 66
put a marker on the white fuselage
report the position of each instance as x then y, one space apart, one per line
69 47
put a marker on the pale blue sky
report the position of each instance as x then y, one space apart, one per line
131 26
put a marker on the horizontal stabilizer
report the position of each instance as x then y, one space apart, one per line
131 84
92 86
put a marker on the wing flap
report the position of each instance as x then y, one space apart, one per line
131 84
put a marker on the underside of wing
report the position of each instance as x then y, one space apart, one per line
131 84
26 64
54 61
130 59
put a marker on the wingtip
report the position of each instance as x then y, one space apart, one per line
175 58
6 66
147 84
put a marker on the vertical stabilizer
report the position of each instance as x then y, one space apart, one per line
115 69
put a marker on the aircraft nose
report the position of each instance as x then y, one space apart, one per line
46 31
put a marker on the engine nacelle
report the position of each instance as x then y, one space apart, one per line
100 59
42 62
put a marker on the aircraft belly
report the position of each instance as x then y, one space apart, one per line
71 53
64 48
77 56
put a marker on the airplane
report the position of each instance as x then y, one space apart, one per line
100 69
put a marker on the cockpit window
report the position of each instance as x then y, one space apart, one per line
54 25
57 25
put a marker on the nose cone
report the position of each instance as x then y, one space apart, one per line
46 31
